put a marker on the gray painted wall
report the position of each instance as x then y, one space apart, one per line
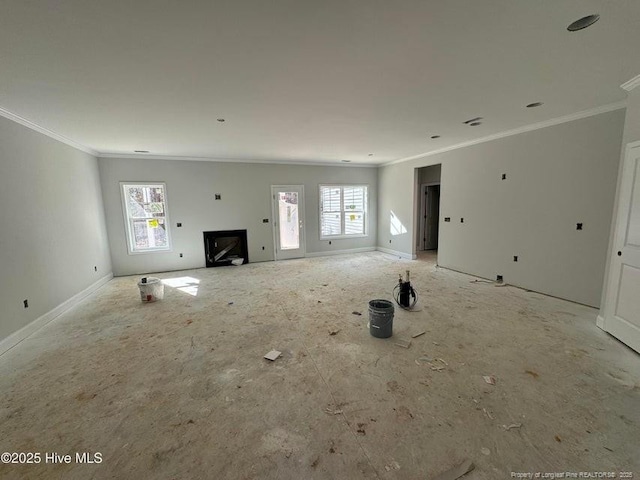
429 174
53 228
246 200
556 177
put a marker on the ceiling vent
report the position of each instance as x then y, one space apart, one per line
472 121
583 22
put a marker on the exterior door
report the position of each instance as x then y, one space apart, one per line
288 221
622 303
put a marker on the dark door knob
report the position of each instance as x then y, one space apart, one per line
619 253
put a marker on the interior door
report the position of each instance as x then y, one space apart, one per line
432 217
288 221
622 307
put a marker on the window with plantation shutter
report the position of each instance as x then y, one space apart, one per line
343 211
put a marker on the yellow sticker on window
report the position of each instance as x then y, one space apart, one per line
152 223
352 217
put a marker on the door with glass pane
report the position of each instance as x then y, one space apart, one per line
288 220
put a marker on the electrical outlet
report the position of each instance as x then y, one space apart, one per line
26 304
218 196
515 258
499 278
95 268
263 248
462 220
504 176
265 220
329 242
578 226
179 224
180 255
447 219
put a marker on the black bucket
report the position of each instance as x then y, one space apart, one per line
380 318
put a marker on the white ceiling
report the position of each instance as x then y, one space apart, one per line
306 80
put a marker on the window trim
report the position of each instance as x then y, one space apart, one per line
127 221
343 236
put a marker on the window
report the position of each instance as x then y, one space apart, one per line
343 211
145 209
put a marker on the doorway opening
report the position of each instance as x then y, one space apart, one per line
428 211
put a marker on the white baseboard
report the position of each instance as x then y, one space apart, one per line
395 253
600 321
20 335
341 252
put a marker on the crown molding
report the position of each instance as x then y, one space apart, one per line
147 156
508 133
45 131
631 84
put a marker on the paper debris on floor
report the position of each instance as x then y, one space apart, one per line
392 466
490 379
456 472
441 360
487 413
331 411
402 343
418 334
272 355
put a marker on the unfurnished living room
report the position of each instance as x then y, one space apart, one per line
320 239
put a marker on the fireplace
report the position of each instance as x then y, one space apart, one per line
225 247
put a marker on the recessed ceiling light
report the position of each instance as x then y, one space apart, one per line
220 120
141 151
346 161
475 124
469 122
435 136
583 22
534 104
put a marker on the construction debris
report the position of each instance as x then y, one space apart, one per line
487 414
356 313
424 360
402 343
513 425
441 360
331 411
272 355
456 472
437 368
485 451
392 466
418 334
490 379
334 331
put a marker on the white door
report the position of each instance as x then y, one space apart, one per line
288 220
622 304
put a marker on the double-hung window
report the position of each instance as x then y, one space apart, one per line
343 211
145 210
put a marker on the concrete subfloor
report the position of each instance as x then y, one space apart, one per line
179 388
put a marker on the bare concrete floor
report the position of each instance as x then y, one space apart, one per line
179 388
